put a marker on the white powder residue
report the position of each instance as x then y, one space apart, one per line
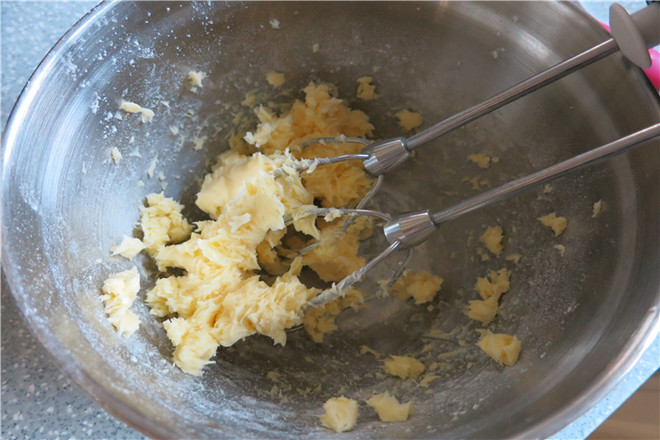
94 106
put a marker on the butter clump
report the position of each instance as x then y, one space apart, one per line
128 248
482 160
420 285
409 120
598 206
366 91
340 414
404 367
492 238
162 222
558 224
321 320
131 107
503 348
490 289
389 409
115 155
275 79
319 115
119 292
336 255
196 79
218 299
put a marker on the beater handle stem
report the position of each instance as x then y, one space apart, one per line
527 86
509 189
412 229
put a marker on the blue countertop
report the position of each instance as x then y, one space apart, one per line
38 401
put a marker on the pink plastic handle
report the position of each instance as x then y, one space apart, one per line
653 72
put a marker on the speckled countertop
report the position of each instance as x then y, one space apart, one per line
38 401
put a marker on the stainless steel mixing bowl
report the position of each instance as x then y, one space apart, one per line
584 318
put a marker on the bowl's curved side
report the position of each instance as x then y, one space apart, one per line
20 226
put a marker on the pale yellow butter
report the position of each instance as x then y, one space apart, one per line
409 120
340 414
250 99
503 348
275 79
558 224
196 78
492 238
490 289
420 285
119 292
128 248
365 349
366 91
219 299
598 206
115 155
337 185
321 320
230 174
427 379
482 160
336 256
131 107
162 222
389 409
404 367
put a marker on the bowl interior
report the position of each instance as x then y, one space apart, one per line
579 315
